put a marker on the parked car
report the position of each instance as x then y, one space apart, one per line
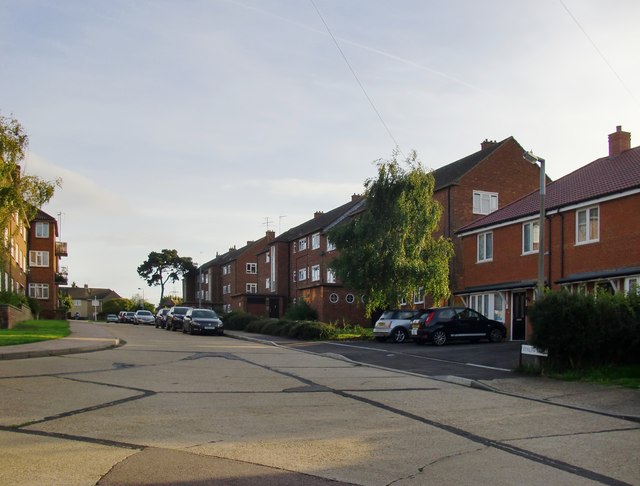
112 318
128 316
161 317
394 324
122 316
202 321
174 317
442 324
143 317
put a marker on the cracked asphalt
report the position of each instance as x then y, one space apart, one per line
168 408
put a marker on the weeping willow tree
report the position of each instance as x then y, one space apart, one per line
388 251
20 195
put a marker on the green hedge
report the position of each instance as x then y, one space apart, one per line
582 331
303 329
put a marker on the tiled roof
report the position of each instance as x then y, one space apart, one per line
451 173
42 216
82 293
603 177
320 222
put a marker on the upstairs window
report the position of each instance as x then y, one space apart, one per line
302 244
315 241
42 230
330 245
530 237
587 225
331 276
484 202
485 247
315 273
252 268
302 274
39 258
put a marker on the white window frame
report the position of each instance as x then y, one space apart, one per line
38 258
42 230
589 237
302 274
267 283
330 245
302 244
484 202
485 247
418 296
632 283
334 298
315 241
533 244
251 288
331 276
252 268
349 298
39 291
315 273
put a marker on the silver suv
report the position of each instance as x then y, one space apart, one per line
395 324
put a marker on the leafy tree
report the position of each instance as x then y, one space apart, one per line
163 267
114 306
388 251
20 194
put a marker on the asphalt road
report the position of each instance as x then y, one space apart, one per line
173 409
480 361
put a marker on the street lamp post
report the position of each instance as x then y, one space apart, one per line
529 156
142 289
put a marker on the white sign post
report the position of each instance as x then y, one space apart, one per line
95 304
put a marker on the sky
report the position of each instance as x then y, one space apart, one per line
197 125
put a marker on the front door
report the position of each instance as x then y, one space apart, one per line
518 322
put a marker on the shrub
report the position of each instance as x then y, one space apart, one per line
301 311
238 321
11 298
582 331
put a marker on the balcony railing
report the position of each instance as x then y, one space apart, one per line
61 248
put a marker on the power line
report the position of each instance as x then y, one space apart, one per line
335 41
599 51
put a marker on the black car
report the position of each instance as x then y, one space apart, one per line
441 324
202 321
174 317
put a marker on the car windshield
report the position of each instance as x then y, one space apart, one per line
204 313
144 313
180 310
388 315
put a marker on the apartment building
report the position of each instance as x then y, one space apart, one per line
14 256
592 223
45 273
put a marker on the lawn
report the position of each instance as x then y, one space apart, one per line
626 376
34 331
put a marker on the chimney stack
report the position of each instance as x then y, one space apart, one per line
619 141
487 144
317 214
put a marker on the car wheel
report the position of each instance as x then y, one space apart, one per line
399 335
439 338
495 336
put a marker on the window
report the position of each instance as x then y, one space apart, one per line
632 284
418 297
315 273
252 288
302 244
484 202
330 245
334 298
302 274
39 258
295 246
42 230
267 257
489 305
252 268
530 237
267 283
485 247
315 241
294 277
39 291
226 270
587 225
331 276
350 298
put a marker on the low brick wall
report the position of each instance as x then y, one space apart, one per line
10 315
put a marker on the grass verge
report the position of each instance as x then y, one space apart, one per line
356 333
34 331
626 376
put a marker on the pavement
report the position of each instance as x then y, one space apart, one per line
610 401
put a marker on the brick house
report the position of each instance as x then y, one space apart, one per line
479 184
14 267
591 239
45 273
86 301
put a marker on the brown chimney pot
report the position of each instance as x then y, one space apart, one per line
619 141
